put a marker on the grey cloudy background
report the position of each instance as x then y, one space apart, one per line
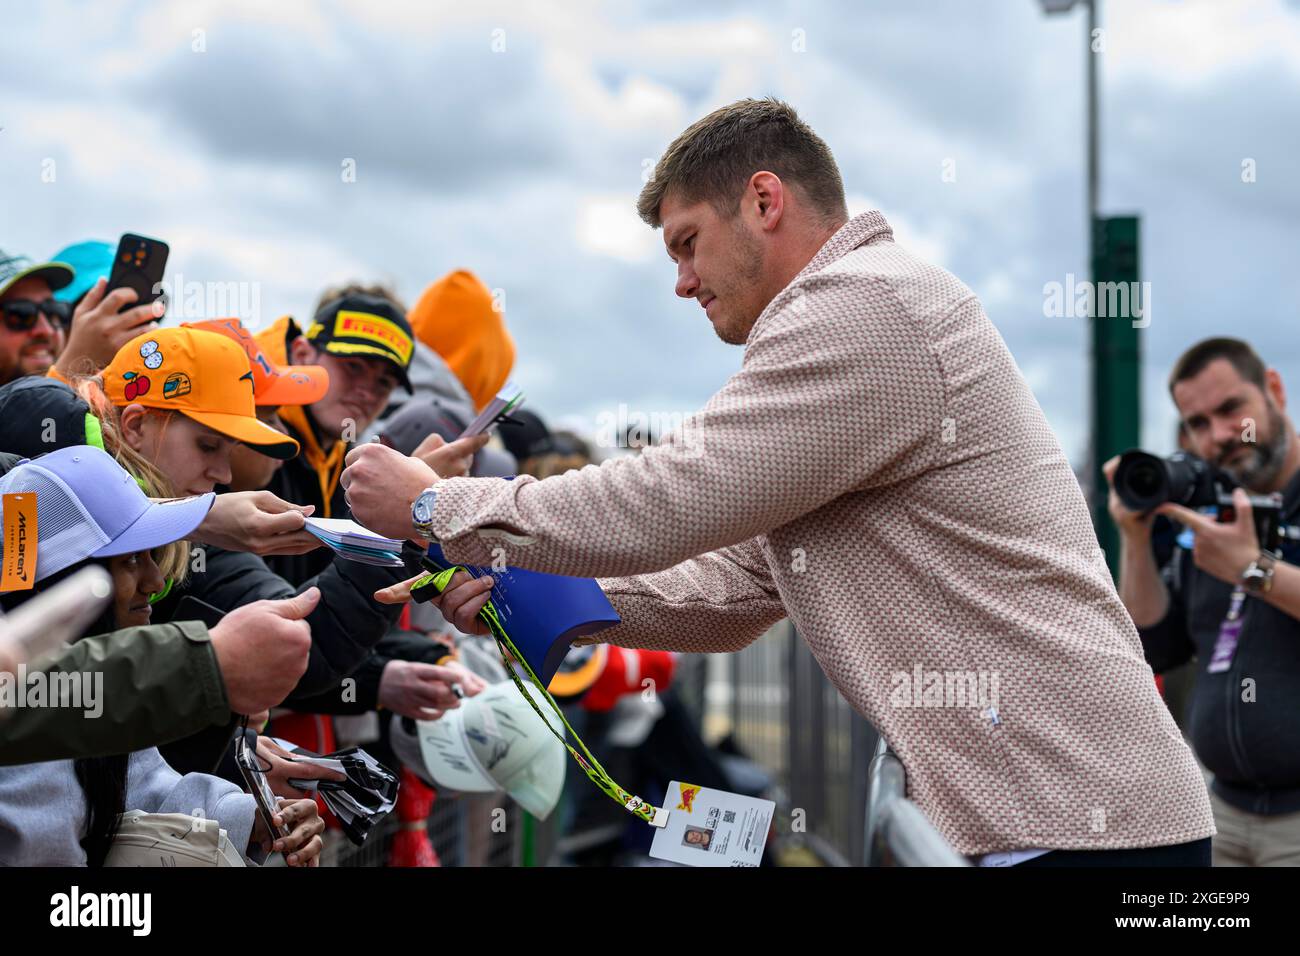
511 139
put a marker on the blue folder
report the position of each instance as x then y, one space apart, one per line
543 613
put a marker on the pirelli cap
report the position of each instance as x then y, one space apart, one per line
368 326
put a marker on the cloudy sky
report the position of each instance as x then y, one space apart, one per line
512 140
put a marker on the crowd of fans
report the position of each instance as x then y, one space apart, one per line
185 459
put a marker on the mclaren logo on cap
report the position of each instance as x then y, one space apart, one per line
365 325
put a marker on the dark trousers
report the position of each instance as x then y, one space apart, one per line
1196 853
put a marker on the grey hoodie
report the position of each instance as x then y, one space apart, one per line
43 807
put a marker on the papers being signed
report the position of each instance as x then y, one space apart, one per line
350 540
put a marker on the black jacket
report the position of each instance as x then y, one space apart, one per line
297 482
364 694
1252 746
345 626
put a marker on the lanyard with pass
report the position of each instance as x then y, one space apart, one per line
1225 645
655 816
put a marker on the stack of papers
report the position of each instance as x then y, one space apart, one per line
348 539
507 400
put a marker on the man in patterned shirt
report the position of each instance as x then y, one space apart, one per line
879 472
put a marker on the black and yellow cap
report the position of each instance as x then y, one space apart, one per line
368 326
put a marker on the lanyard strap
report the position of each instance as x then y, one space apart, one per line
597 774
1234 605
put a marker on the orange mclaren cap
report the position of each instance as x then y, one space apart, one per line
579 670
273 384
203 375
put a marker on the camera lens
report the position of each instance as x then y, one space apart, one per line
1144 479
1141 481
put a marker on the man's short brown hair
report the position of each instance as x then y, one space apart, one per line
714 158
380 290
1243 358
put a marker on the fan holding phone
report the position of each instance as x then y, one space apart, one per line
116 308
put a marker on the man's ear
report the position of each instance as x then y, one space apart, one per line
131 423
302 352
1274 388
766 191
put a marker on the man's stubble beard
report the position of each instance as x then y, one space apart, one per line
748 270
1267 458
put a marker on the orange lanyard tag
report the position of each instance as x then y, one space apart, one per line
19 570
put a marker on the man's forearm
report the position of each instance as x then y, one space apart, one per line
1141 588
1285 592
716 603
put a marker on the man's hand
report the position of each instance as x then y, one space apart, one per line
1131 524
98 331
257 522
380 485
303 845
285 765
470 683
1223 549
459 604
418 690
452 460
262 650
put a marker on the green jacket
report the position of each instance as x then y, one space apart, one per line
159 683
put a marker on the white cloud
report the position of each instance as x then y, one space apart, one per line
609 226
524 166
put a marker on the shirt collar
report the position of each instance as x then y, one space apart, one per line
861 229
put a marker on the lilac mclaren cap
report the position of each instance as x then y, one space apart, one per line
88 506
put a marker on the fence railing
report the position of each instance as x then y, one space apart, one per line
836 801
897 832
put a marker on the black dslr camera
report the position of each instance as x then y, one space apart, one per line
1144 481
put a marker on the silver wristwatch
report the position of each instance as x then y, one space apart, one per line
422 513
1258 578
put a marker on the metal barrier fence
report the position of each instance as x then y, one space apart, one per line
897 832
785 714
835 803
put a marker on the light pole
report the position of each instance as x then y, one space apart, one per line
1094 158
1115 357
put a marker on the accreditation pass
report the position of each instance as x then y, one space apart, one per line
712 827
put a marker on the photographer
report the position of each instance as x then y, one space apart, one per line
1229 603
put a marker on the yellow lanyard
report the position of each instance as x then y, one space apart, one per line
630 802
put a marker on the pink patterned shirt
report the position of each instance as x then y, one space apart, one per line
879 472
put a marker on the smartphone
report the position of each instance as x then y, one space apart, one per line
139 265
255 780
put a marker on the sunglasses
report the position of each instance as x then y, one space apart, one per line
21 315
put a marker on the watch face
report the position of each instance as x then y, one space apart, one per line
420 510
